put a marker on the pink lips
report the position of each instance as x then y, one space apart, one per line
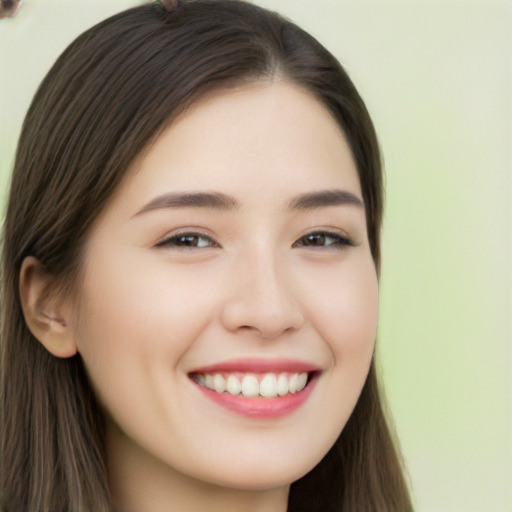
259 366
259 407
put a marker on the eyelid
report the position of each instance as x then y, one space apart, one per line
339 240
342 240
171 239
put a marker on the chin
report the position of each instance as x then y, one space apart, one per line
263 475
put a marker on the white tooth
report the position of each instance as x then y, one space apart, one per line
233 386
282 385
208 382
293 383
219 384
199 378
250 386
301 381
268 385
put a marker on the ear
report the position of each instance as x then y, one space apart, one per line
46 313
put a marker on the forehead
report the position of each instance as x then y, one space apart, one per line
259 140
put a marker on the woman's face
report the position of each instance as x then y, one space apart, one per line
234 255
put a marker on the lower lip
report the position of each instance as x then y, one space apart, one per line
259 407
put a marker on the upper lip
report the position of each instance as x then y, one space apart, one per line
257 365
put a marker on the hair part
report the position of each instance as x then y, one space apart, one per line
105 100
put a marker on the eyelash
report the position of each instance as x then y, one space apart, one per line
186 241
337 240
189 240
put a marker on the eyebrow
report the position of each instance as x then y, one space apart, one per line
220 201
215 200
323 198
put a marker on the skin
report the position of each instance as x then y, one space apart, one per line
254 285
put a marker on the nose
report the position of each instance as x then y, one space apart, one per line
261 298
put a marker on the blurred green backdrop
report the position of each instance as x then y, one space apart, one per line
437 78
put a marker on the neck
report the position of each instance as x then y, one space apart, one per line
140 482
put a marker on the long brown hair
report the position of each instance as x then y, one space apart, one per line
108 96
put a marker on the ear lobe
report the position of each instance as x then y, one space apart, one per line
46 313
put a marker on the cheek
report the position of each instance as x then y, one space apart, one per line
346 310
134 326
346 318
139 306
343 310
358 311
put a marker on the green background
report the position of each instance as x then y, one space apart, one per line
437 79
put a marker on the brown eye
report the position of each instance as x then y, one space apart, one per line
188 240
315 240
322 239
9 8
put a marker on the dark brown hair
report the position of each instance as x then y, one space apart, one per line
108 96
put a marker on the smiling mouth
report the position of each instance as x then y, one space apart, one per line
258 388
254 385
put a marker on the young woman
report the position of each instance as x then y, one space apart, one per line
190 263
